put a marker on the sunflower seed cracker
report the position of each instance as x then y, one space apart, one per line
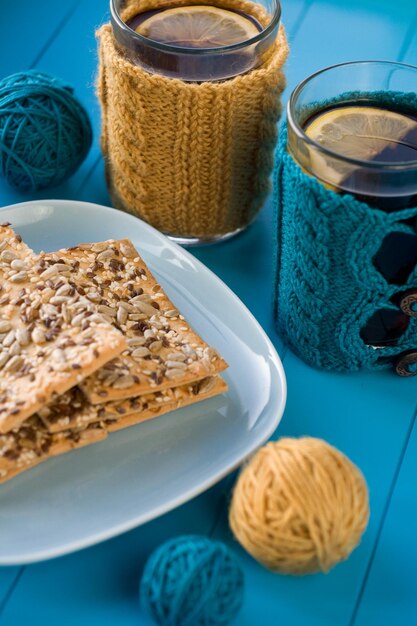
40 438
29 372
117 282
73 410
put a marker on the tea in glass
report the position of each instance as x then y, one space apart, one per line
354 128
194 155
197 42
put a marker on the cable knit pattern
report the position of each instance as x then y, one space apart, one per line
192 159
326 284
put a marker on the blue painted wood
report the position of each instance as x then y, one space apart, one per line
8 579
72 56
27 28
248 256
366 415
337 31
390 595
349 411
99 585
408 51
395 549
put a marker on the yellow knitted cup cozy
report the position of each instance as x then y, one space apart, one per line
192 159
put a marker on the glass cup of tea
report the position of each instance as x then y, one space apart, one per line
353 127
196 42
205 79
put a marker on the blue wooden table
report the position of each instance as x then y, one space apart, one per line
371 417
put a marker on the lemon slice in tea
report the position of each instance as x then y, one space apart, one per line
198 27
364 133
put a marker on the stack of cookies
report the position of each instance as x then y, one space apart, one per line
89 344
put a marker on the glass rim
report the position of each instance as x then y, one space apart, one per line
196 51
298 130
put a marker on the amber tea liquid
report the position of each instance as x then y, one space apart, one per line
206 42
186 36
391 147
379 135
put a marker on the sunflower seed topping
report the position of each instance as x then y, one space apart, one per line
5 326
140 352
63 290
8 256
121 315
49 272
176 356
120 288
136 341
9 338
19 277
22 336
155 346
176 364
105 255
18 265
15 348
174 373
38 335
206 385
35 331
4 357
127 250
13 364
123 382
58 355
59 311
78 319
145 308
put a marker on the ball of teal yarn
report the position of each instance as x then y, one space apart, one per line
192 581
45 133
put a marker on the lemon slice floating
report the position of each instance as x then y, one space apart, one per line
364 133
198 27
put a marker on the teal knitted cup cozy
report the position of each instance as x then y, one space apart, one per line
326 285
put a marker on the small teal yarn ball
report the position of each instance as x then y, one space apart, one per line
192 581
45 133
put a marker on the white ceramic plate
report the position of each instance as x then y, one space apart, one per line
97 492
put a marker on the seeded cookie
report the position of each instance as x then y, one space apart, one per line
73 410
49 338
163 350
32 442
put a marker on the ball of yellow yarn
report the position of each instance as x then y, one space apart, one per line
299 506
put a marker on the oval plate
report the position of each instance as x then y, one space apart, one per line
135 475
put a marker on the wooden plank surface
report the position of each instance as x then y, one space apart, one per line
27 30
366 415
71 56
99 585
390 593
392 568
369 416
